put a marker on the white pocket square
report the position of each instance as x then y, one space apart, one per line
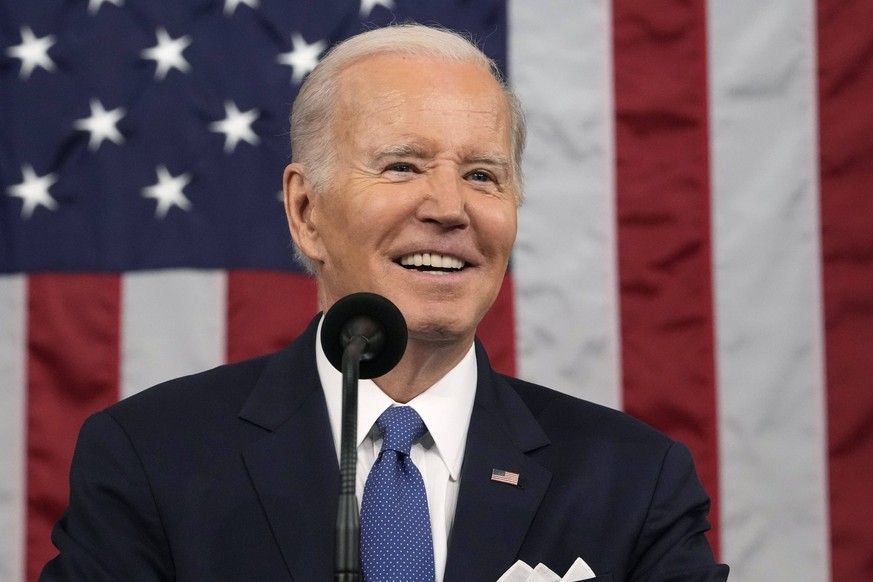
521 572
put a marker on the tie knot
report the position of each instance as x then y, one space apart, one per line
400 425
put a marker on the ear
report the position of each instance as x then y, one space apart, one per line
299 204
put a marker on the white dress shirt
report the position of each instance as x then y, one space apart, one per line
445 409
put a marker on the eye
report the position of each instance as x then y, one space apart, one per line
480 176
400 167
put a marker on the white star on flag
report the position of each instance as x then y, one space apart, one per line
236 126
101 124
230 5
94 5
303 57
167 54
33 52
168 191
368 5
33 191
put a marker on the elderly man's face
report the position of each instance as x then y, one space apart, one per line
422 205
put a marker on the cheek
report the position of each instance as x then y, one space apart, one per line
339 238
499 227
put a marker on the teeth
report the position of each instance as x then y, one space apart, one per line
431 260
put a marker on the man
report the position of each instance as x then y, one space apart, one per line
405 182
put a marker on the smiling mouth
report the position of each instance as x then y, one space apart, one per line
431 262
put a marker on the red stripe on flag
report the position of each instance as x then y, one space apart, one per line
266 310
845 57
664 247
72 371
497 330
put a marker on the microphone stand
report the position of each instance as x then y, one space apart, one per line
368 327
348 522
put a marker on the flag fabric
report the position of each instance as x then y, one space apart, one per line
696 245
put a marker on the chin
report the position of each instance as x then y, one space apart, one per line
435 334
443 330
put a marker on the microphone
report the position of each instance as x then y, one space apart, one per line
374 319
364 336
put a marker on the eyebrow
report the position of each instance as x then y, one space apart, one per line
490 159
407 150
403 150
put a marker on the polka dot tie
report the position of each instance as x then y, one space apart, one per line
396 543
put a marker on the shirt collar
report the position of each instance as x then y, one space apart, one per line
445 407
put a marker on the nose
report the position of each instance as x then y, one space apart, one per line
443 200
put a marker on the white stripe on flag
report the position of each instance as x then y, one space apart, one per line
564 259
173 324
13 343
768 301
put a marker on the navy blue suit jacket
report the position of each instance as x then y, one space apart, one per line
232 474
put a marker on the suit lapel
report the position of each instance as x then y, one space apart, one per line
294 468
295 472
492 518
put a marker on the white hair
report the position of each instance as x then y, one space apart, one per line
312 145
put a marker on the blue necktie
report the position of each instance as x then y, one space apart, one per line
396 542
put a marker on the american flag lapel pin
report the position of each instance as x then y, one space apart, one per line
502 476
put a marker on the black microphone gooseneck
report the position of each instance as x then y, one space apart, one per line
364 336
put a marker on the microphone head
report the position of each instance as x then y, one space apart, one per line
372 317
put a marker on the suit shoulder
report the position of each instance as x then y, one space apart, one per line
569 417
227 386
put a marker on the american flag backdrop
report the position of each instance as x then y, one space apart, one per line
696 247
